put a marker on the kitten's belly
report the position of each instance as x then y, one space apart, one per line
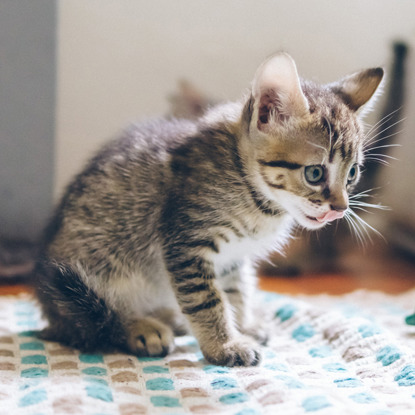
138 294
272 237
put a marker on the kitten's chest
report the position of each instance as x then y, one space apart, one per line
270 235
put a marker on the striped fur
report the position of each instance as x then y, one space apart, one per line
156 235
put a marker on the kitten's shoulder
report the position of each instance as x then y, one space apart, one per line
155 138
166 133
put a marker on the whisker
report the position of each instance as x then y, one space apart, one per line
364 193
378 124
366 226
363 232
379 160
360 195
383 146
355 199
354 229
383 120
381 155
370 140
368 144
362 209
357 203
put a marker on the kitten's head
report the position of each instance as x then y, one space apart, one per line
306 140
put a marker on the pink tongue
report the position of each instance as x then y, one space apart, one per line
330 216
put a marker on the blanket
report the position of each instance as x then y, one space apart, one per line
350 354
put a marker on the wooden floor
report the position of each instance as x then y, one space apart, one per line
378 268
336 284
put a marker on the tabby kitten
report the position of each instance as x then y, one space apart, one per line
155 236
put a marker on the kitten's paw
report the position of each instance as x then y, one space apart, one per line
149 337
240 352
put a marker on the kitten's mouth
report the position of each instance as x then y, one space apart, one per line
327 217
312 222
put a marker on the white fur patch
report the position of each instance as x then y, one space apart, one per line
271 236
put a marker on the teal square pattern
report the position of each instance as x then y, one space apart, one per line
325 355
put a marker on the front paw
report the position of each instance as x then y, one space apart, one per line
239 352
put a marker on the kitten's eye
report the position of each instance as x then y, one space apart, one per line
314 174
353 172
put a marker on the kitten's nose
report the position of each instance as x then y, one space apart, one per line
339 201
339 208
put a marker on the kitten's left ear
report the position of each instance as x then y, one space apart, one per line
356 90
277 92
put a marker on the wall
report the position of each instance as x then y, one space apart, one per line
119 60
27 115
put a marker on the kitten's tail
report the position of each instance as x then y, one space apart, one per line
77 316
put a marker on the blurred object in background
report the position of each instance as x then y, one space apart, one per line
384 134
17 258
189 102
397 181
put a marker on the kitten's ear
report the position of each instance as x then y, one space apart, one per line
356 90
277 92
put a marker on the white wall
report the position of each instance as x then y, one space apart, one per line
119 59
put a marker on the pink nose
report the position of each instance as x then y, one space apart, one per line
330 216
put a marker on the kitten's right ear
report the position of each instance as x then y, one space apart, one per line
357 89
277 92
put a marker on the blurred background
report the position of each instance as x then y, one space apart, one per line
75 72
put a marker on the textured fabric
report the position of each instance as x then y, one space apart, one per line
351 354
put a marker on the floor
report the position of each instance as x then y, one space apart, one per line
376 268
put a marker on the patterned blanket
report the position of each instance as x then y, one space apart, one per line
351 354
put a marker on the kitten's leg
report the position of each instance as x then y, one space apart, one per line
209 313
239 284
